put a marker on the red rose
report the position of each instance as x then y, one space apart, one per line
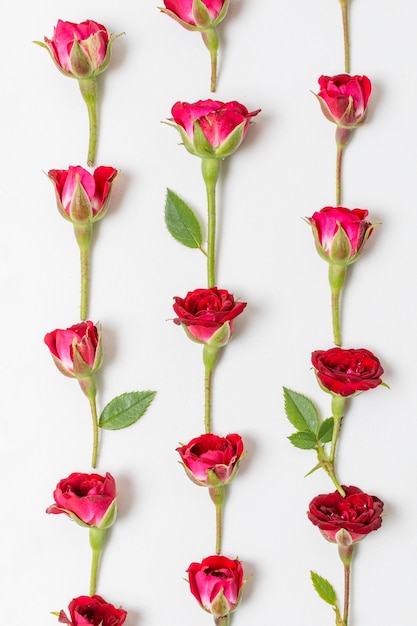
92 610
204 311
210 460
76 351
81 196
344 99
340 233
210 128
357 513
89 499
196 15
217 584
346 372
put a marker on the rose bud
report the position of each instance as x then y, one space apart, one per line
347 372
81 196
196 14
207 315
92 610
210 128
340 234
217 584
357 513
89 499
77 350
210 460
344 99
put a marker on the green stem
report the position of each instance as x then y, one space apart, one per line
97 536
88 385
84 264
342 137
217 495
222 621
337 274
88 88
345 18
210 168
347 594
338 410
210 356
211 41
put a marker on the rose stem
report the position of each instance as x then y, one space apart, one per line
211 41
342 137
97 536
346 554
84 263
338 410
345 18
347 594
337 275
88 385
222 621
210 354
210 169
217 495
88 88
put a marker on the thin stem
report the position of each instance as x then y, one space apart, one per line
210 356
210 169
337 274
217 495
84 265
88 88
338 410
97 537
211 41
339 161
94 417
347 594
345 18
222 621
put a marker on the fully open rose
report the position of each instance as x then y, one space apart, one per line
346 372
92 610
196 14
358 513
210 460
217 584
344 99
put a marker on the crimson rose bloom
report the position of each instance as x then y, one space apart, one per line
89 499
196 15
344 99
210 128
76 351
357 513
346 372
340 234
92 610
210 460
204 311
217 584
81 196
80 50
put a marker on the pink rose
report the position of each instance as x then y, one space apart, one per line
211 460
210 128
357 513
89 499
80 50
77 350
340 234
203 312
344 99
217 584
347 372
81 196
92 610
196 14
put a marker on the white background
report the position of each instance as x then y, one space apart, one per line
272 53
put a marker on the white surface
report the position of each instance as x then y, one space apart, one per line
272 54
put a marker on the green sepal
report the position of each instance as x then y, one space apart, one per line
202 146
109 517
125 410
303 440
326 430
324 589
232 142
201 14
301 412
181 221
80 63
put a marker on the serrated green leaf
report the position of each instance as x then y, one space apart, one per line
324 589
305 441
125 410
326 430
301 411
181 221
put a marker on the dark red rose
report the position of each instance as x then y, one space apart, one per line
92 610
346 372
357 513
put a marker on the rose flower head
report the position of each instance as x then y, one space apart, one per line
340 234
347 372
344 99
210 128
81 196
77 350
89 499
196 15
357 513
217 584
210 460
92 610
207 315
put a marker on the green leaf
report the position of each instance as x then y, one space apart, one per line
326 430
305 441
181 221
324 589
125 410
301 412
